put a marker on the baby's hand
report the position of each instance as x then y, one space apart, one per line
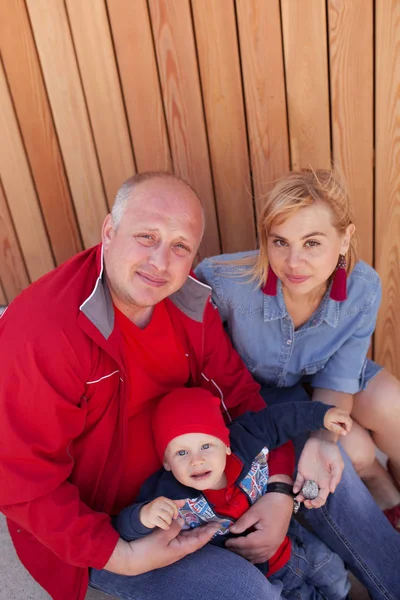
338 421
160 512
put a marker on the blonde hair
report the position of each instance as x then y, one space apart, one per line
294 191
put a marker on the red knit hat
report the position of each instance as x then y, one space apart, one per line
187 410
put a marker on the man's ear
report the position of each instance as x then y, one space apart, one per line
228 450
108 231
166 465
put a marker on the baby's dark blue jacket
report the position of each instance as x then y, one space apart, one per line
252 436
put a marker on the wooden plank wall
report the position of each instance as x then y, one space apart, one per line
229 94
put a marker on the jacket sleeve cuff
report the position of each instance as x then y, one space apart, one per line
320 410
128 523
337 384
105 549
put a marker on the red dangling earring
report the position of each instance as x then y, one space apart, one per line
339 282
270 285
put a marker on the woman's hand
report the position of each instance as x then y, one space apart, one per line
269 519
338 421
321 462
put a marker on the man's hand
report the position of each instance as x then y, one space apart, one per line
158 549
322 462
160 512
270 518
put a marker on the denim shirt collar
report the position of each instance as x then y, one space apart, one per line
275 308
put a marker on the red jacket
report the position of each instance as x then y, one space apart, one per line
63 400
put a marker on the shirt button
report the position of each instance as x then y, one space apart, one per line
288 342
228 497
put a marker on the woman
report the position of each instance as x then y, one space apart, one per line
303 309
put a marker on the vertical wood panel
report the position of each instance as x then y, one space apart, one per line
53 104
217 44
138 71
3 299
13 273
351 56
387 205
176 54
305 51
264 84
56 52
93 43
18 185
35 121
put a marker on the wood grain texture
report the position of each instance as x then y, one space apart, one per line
141 88
20 191
387 203
264 85
35 121
351 73
95 53
180 63
218 53
53 40
3 298
13 273
176 55
306 64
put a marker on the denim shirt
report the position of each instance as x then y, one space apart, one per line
329 350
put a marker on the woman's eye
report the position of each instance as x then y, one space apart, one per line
206 446
312 244
279 243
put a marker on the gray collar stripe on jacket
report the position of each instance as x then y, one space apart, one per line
191 299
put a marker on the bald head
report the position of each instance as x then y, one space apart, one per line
126 193
150 241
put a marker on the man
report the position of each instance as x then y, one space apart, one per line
86 352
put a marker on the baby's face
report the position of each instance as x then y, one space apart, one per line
197 460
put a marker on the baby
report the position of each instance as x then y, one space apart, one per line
215 473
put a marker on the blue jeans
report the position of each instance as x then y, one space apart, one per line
352 524
211 572
313 572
